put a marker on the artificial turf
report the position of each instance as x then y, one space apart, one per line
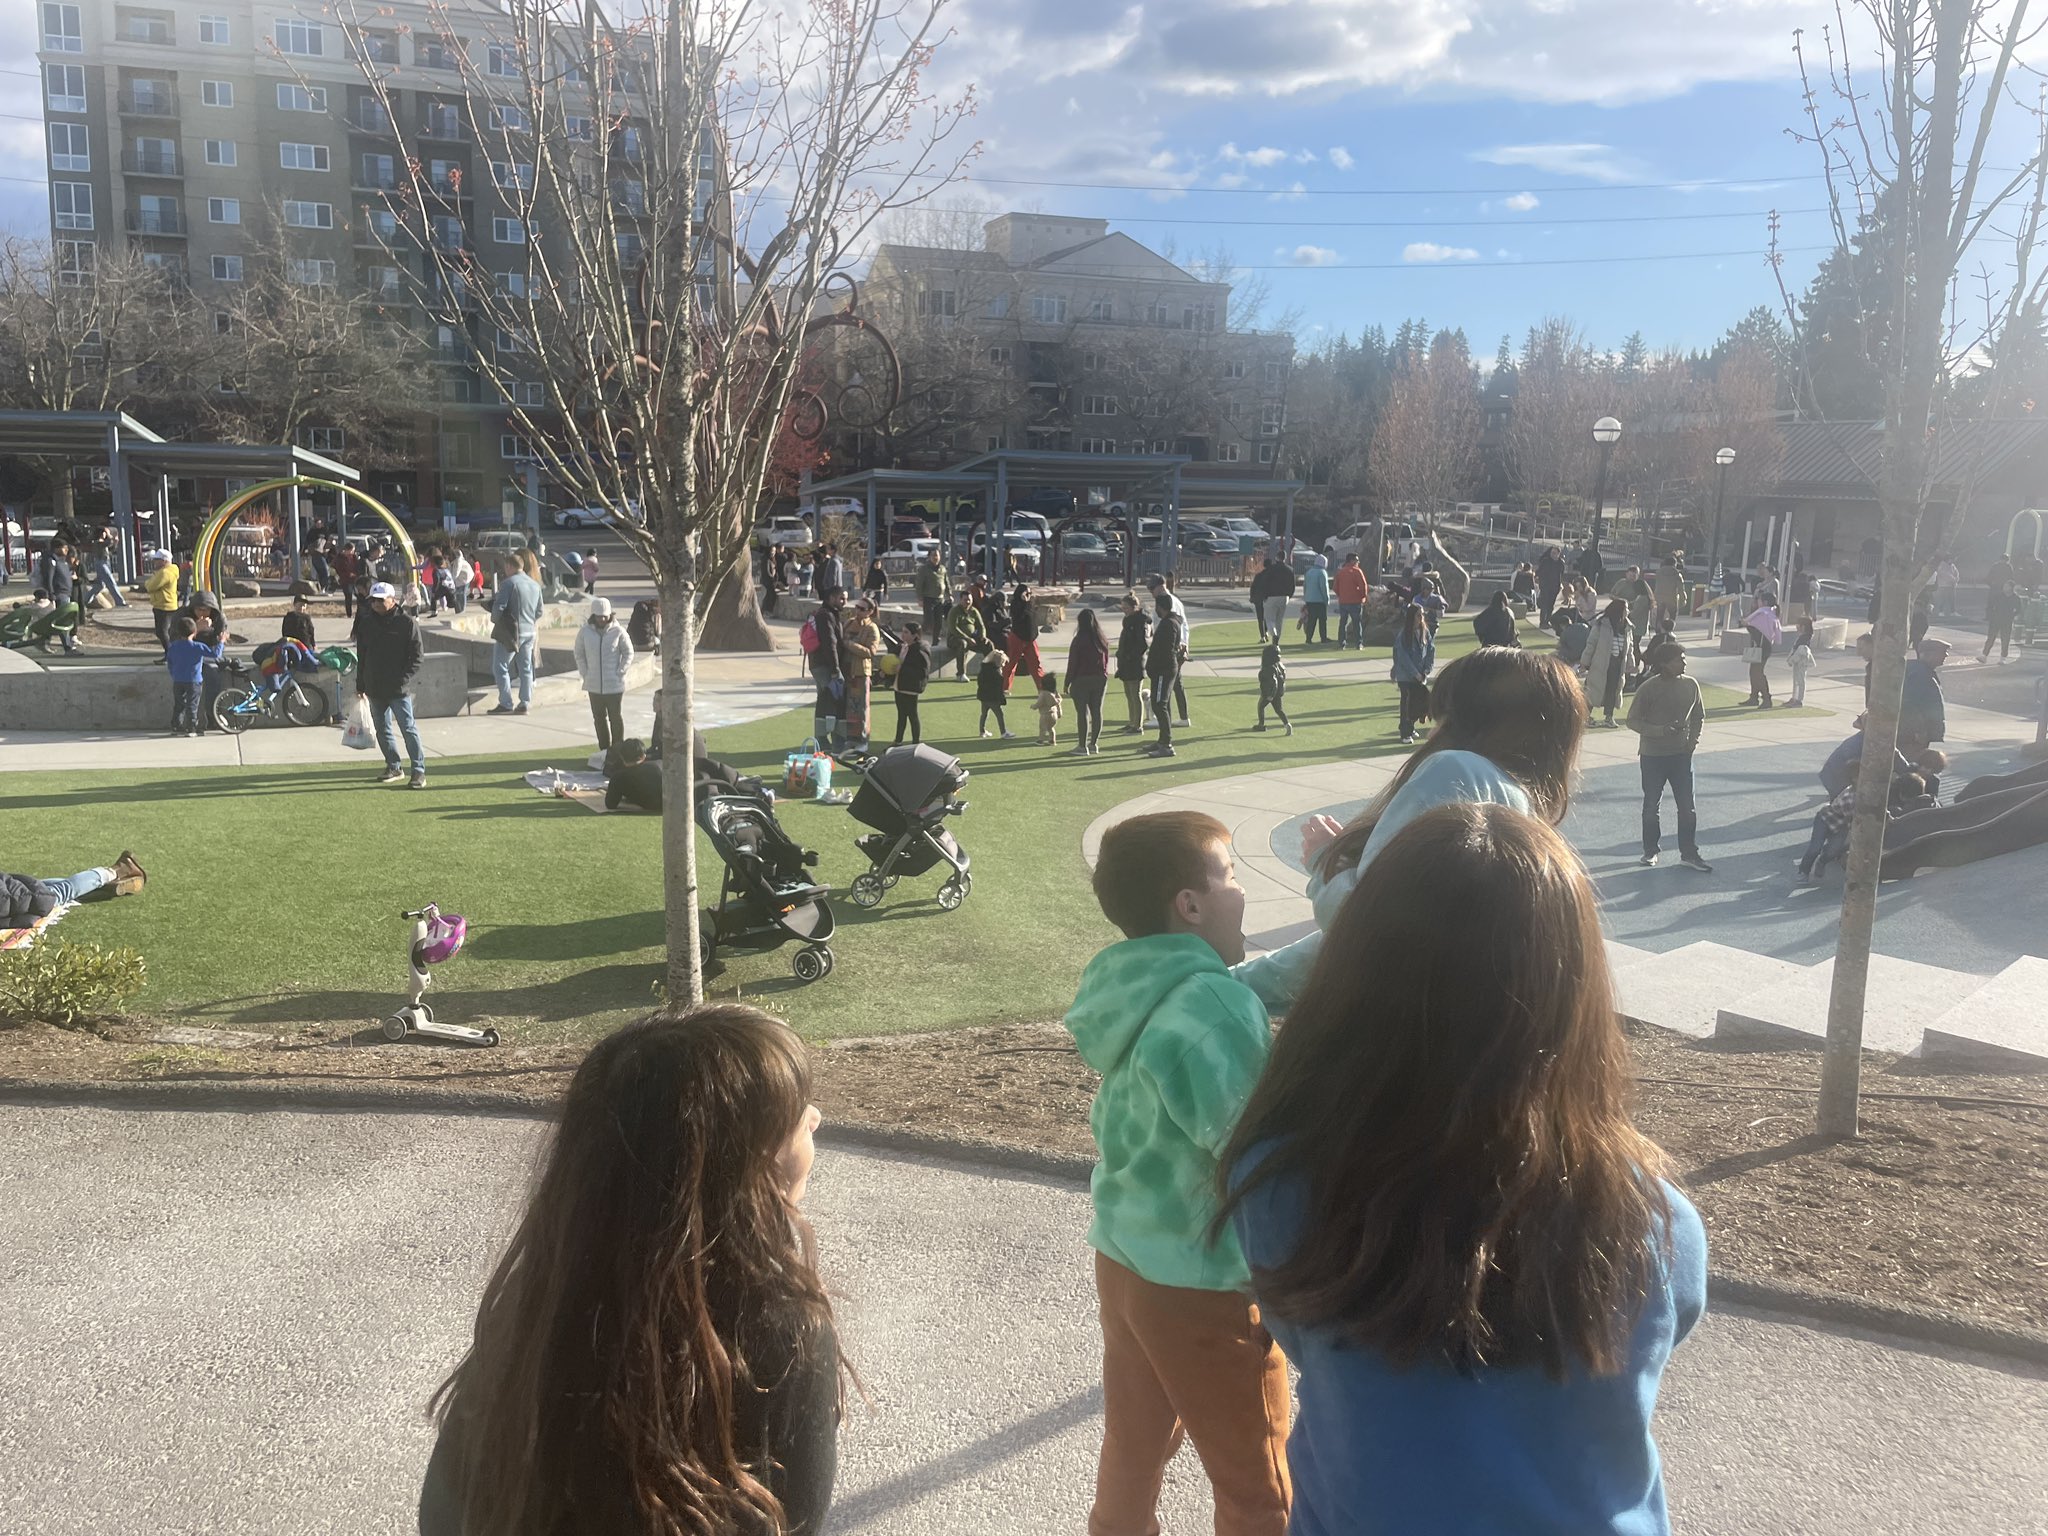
275 893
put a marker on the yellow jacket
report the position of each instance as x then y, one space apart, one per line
162 586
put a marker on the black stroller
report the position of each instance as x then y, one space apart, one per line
907 796
767 897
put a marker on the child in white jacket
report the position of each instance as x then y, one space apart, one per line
603 654
1802 662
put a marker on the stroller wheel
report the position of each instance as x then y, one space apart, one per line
830 960
954 891
707 941
866 891
809 964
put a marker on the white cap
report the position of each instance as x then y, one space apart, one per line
160 554
383 589
600 607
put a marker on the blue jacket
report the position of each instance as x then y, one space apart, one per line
517 605
187 659
1413 663
1379 1451
1315 586
1442 778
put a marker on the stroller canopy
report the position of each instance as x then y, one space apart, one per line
908 777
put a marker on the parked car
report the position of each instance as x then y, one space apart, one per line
581 517
785 528
497 541
1201 539
1049 500
1082 544
1354 539
1248 533
1023 546
904 529
843 506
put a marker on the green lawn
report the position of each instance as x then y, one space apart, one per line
275 892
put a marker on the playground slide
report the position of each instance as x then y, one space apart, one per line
1950 835
1993 783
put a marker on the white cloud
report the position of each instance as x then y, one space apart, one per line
1293 193
1254 157
1304 157
1340 157
1595 162
1429 250
1521 202
1309 255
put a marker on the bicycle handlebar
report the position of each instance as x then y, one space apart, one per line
429 910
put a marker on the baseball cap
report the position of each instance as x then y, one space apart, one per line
383 589
600 607
1155 580
160 554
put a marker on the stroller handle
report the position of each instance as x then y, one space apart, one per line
429 910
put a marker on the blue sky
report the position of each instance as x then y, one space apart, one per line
1473 130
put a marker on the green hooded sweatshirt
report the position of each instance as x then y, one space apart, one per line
1179 1044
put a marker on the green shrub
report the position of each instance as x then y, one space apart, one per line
67 984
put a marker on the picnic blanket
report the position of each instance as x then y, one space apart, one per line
586 789
25 938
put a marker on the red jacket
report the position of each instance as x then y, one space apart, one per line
1349 583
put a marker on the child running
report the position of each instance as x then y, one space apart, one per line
1179 1045
1273 686
1048 706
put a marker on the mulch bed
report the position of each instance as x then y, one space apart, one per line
1942 1201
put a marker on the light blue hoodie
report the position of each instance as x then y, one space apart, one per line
1443 778
1315 586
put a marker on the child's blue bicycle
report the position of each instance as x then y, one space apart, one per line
242 704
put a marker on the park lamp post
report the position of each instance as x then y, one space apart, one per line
1606 432
1723 458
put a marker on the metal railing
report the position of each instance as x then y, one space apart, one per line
148 101
158 221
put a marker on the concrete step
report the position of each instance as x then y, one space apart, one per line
2003 1025
1902 999
1681 989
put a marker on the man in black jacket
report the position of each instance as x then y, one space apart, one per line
1270 590
828 665
388 657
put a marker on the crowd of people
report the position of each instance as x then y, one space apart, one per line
657 1350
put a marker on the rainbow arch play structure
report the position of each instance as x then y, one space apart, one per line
209 553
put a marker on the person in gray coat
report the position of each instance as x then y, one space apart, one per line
515 633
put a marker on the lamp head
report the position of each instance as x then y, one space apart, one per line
1607 431
1725 457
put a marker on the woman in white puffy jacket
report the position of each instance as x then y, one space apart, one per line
603 653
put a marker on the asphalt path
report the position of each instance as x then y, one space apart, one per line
231 1322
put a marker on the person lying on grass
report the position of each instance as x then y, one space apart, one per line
26 900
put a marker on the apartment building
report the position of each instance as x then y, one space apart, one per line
195 130
1058 333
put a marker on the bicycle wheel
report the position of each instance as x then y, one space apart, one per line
303 705
235 709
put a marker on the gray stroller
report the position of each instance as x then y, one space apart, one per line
906 798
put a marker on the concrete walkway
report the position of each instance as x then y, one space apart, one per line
232 1322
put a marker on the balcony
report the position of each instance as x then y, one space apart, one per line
449 127
151 162
139 29
148 101
370 117
156 221
374 181
370 235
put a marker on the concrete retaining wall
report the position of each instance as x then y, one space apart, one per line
80 698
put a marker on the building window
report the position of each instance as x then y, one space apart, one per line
1090 361
513 447
223 322
380 171
382 223
220 151
77 260
578 128
214 29
379 47
301 98
217 93
512 176
531 393
508 231
1098 445
629 143
434 53
502 61
509 119
301 37
1233 370
1266 453
71 204
224 210
508 341
1270 418
323 439
631 249
458 451
227 269
309 215
1227 453
1102 309
312 272
70 150
938 303
1098 405
384 282
301 157
64 86
1049 308
448 233
512 284
999 356
61 30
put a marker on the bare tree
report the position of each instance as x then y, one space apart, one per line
1426 447
98 336
680 183
1562 387
1908 160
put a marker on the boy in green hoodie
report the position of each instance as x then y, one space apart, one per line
1179 1044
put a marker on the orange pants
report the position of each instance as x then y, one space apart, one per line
1196 1364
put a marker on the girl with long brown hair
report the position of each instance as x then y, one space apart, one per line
1454 1230
1508 727
654 1355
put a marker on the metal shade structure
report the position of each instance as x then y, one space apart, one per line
267 462
88 437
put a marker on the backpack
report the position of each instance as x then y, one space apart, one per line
807 637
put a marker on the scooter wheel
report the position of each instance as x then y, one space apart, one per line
490 1037
394 1028
807 965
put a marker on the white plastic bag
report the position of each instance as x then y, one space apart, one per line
357 733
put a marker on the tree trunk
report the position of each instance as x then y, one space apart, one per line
732 618
684 978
